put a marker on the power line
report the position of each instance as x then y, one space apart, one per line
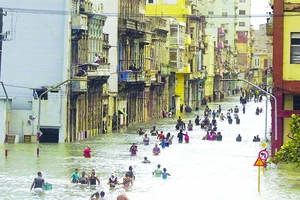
166 15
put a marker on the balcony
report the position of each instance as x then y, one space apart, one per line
105 40
220 45
185 69
79 86
177 41
161 24
147 38
164 70
79 22
92 71
90 8
221 31
132 27
176 65
132 76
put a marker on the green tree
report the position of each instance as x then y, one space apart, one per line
290 152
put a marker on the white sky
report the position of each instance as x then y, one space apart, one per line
258 8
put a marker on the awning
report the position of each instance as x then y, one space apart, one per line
122 112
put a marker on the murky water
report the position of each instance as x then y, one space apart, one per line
199 170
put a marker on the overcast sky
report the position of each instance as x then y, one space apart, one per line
258 8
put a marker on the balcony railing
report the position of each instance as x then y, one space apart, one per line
131 24
90 8
79 22
147 38
177 41
161 24
132 76
92 70
177 65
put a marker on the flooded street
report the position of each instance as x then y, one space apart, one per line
199 170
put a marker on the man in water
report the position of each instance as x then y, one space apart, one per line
75 176
180 136
157 172
130 173
146 160
112 181
156 150
38 182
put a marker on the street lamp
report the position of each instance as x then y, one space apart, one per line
39 111
266 92
6 121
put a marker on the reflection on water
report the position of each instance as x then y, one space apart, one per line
199 170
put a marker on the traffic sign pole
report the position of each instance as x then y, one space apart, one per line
258 185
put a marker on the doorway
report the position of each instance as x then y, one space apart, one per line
50 135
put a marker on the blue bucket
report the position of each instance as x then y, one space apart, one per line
48 186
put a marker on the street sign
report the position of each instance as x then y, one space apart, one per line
264 145
264 154
259 162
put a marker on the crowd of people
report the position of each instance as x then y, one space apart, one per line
208 124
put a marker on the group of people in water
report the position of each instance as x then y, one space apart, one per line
208 124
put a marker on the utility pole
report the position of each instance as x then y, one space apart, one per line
1 38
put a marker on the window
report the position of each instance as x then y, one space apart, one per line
296 102
241 24
295 48
169 1
242 12
242 1
224 14
256 62
210 12
151 2
265 63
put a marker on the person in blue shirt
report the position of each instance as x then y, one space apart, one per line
165 174
75 176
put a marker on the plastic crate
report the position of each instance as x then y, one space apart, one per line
48 186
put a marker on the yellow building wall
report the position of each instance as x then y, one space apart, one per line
242 47
286 129
209 62
290 71
179 89
169 10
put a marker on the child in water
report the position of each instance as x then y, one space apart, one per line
165 174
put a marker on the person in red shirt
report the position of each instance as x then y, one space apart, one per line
87 152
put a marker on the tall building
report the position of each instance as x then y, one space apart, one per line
286 63
39 40
243 16
185 39
58 61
